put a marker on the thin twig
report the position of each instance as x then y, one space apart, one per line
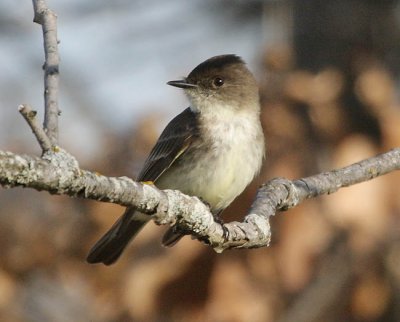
323 183
30 117
48 19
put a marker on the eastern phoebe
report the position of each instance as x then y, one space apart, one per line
212 150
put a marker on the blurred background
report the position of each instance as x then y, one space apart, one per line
328 73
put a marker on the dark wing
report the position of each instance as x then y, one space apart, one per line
172 143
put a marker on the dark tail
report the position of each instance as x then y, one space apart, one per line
108 249
171 237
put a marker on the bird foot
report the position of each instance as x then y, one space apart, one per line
225 231
218 219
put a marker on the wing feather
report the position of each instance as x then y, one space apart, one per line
172 143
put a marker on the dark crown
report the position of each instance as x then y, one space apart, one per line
218 62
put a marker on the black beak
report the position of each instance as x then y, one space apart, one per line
182 84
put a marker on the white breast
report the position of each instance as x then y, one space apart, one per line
238 148
227 161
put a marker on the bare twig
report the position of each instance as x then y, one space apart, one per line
48 19
323 183
30 117
59 173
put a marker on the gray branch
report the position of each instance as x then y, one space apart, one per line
48 19
59 173
30 117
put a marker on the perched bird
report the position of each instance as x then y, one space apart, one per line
212 150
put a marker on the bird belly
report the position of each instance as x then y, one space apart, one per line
218 171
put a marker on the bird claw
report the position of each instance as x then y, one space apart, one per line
205 202
217 219
225 231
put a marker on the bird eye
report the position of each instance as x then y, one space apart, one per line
218 82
